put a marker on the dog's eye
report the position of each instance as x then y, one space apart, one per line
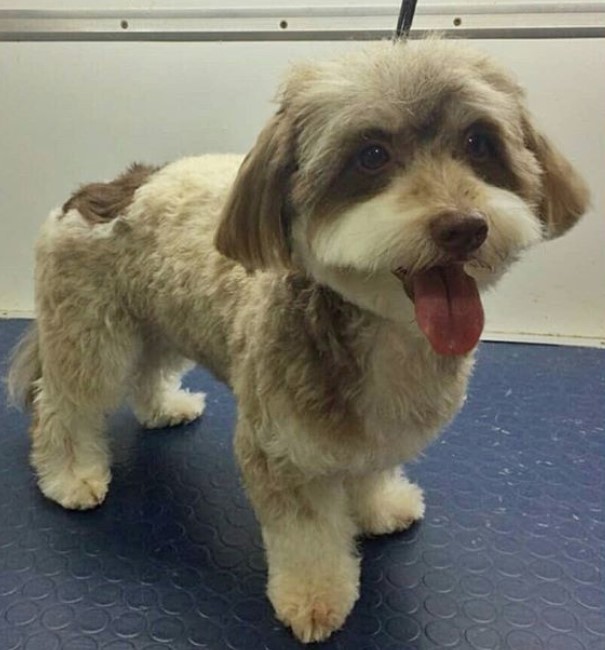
373 157
479 145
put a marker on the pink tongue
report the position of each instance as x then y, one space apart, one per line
448 309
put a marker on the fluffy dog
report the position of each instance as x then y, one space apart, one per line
332 279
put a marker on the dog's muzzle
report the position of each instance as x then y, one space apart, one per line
446 299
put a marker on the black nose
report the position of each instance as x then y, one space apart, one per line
459 233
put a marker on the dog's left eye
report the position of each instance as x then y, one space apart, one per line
373 157
479 145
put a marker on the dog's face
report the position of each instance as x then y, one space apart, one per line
406 177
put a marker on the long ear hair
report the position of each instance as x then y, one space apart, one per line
565 196
253 228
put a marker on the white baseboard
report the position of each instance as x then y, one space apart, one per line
543 339
16 313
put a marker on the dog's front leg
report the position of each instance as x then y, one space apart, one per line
313 566
309 538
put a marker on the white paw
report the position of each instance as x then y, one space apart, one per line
177 407
393 509
313 611
76 492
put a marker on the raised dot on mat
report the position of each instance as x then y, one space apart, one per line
443 633
81 643
480 610
166 629
518 614
477 585
403 628
21 613
130 624
441 606
564 642
39 587
43 641
523 640
203 632
591 597
558 619
93 620
58 617
483 638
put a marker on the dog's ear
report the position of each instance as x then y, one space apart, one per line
565 196
253 228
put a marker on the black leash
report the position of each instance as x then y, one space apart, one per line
406 16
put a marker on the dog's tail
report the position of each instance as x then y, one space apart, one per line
25 369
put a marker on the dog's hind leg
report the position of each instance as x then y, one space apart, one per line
157 398
385 502
84 370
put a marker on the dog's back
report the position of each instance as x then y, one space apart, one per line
124 257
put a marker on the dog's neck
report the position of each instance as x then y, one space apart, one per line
354 378
330 320
346 323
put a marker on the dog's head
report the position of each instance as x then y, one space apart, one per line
412 165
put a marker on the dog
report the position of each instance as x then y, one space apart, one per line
332 279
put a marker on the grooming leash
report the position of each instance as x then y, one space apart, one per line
406 16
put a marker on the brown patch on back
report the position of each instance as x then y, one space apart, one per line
102 202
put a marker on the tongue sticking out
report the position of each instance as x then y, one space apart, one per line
448 309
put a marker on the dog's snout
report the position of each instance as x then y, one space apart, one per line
459 233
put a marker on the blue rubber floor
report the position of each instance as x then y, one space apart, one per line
510 554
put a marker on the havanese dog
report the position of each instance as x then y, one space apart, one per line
332 278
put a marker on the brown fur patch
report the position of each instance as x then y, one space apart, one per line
441 137
349 184
102 202
34 426
315 355
495 169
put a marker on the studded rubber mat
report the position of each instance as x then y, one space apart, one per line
509 556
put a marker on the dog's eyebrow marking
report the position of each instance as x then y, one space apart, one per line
374 133
102 202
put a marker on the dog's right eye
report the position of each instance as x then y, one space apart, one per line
373 157
479 144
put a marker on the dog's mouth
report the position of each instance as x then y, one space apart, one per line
447 305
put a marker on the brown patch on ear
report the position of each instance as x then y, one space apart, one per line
253 228
565 196
102 202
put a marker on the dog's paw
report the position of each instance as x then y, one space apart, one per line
76 492
177 407
392 509
312 621
313 612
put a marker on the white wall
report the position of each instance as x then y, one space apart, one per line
75 112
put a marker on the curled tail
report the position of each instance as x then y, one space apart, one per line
25 369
